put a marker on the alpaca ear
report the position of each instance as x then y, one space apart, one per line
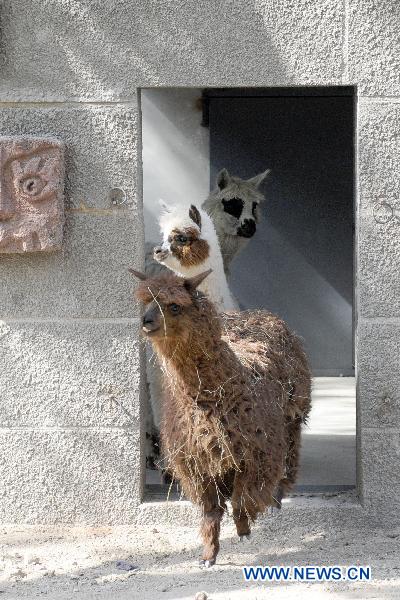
195 215
138 274
192 283
258 179
223 179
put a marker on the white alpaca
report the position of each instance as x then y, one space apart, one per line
190 246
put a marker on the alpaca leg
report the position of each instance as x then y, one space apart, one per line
152 443
155 387
213 511
293 435
241 515
154 379
209 531
242 523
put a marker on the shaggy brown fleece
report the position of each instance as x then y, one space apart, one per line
237 390
262 341
167 288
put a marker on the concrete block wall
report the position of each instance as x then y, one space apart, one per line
70 381
70 411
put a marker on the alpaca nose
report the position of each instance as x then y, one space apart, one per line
159 253
150 321
247 229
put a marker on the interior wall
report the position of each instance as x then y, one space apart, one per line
176 154
299 264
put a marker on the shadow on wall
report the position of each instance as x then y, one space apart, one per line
142 44
310 304
300 262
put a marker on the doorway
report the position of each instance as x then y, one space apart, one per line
300 263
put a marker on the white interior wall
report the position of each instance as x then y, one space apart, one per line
176 157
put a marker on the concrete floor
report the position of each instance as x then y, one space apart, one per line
61 563
328 456
65 563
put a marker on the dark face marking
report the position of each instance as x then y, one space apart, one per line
187 247
254 209
182 239
247 228
233 207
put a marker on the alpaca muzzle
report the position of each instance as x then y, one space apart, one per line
247 229
160 254
151 320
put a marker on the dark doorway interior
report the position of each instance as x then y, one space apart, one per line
300 262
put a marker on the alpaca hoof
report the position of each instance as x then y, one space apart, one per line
278 497
244 536
273 511
206 564
167 477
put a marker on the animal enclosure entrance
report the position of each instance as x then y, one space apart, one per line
277 167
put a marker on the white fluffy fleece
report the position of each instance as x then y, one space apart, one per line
215 286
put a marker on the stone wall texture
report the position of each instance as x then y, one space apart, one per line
70 415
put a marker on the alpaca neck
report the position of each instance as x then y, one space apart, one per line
188 362
215 286
230 246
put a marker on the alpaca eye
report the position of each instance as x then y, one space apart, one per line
175 309
233 207
253 210
182 239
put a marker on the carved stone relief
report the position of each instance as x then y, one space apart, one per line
31 195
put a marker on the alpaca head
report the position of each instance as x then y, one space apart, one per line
183 246
233 205
174 309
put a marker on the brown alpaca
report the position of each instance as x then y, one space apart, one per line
237 390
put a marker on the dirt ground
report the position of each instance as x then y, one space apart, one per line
77 562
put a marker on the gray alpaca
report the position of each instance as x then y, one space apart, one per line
233 207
